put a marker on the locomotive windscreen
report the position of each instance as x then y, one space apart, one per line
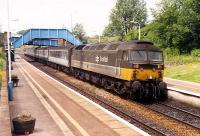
137 55
155 56
145 55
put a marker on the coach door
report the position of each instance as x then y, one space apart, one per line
118 63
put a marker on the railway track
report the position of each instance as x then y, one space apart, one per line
149 127
172 111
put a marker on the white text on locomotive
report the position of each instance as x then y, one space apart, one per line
101 59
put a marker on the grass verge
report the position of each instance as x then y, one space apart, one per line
180 60
188 72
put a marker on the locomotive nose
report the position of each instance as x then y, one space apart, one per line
147 74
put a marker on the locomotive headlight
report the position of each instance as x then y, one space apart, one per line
136 65
160 66
150 77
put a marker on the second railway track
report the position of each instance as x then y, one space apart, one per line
177 113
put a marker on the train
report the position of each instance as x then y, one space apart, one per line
134 69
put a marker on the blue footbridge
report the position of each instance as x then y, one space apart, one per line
45 37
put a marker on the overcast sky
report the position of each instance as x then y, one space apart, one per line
93 14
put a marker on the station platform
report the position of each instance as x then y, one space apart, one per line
183 85
59 110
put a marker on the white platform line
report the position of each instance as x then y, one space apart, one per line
184 91
65 130
67 115
105 110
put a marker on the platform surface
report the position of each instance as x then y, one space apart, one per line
184 85
58 110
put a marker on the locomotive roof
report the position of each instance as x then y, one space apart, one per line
138 45
135 45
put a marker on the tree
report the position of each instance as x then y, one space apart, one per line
21 32
109 31
122 15
1 39
177 25
79 31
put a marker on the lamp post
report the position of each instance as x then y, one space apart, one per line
8 43
10 83
138 26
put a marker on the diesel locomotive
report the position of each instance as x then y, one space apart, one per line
134 69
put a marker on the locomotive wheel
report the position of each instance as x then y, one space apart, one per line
106 83
107 86
137 91
162 87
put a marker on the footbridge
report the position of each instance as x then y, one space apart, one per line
49 37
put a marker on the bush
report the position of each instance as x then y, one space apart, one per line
195 53
1 64
170 52
131 35
181 59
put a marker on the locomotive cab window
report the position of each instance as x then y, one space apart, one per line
155 56
137 55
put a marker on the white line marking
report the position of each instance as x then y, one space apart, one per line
65 130
184 91
105 110
75 123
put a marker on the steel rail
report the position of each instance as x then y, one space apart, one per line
179 109
164 114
